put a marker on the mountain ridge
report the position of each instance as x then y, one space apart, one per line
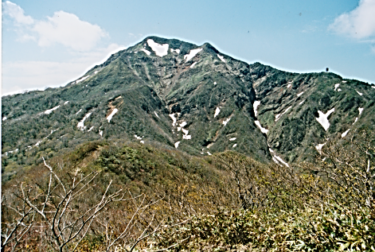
189 97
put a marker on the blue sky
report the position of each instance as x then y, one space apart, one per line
49 43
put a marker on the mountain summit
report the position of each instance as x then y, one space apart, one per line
189 97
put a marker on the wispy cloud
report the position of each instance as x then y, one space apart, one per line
62 28
43 74
358 23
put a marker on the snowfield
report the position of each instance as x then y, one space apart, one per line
160 50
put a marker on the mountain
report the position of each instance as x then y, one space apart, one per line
194 98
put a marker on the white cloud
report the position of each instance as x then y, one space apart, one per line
17 13
62 28
359 23
31 75
69 30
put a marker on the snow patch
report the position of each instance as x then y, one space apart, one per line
192 54
4 118
81 79
92 127
49 111
277 159
289 85
146 51
109 118
160 50
255 107
221 58
232 139
337 86
234 145
361 94
156 114
360 110
66 102
101 133
175 50
301 102
176 144
138 137
300 94
215 83
263 130
217 111
186 132
81 124
78 111
278 116
174 119
209 153
356 119
226 121
345 133
183 124
319 148
193 64
323 118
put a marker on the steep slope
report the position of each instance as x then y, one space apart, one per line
190 97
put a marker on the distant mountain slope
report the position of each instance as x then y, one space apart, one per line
189 97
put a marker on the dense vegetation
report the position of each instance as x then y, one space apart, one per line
160 199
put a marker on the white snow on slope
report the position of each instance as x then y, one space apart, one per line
81 79
359 92
142 142
177 144
183 124
345 133
337 86
49 111
217 111
174 119
78 111
372 86
109 117
300 94
101 133
92 127
138 137
323 118
146 51
277 159
186 132
4 118
319 147
160 50
278 116
81 124
209 153
289 85
156 114
263 130
193 64
232 139
175 50
301 102
356 119
66 102
226 121
192 54
215 83
234 145
360 110
255 107
221 58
